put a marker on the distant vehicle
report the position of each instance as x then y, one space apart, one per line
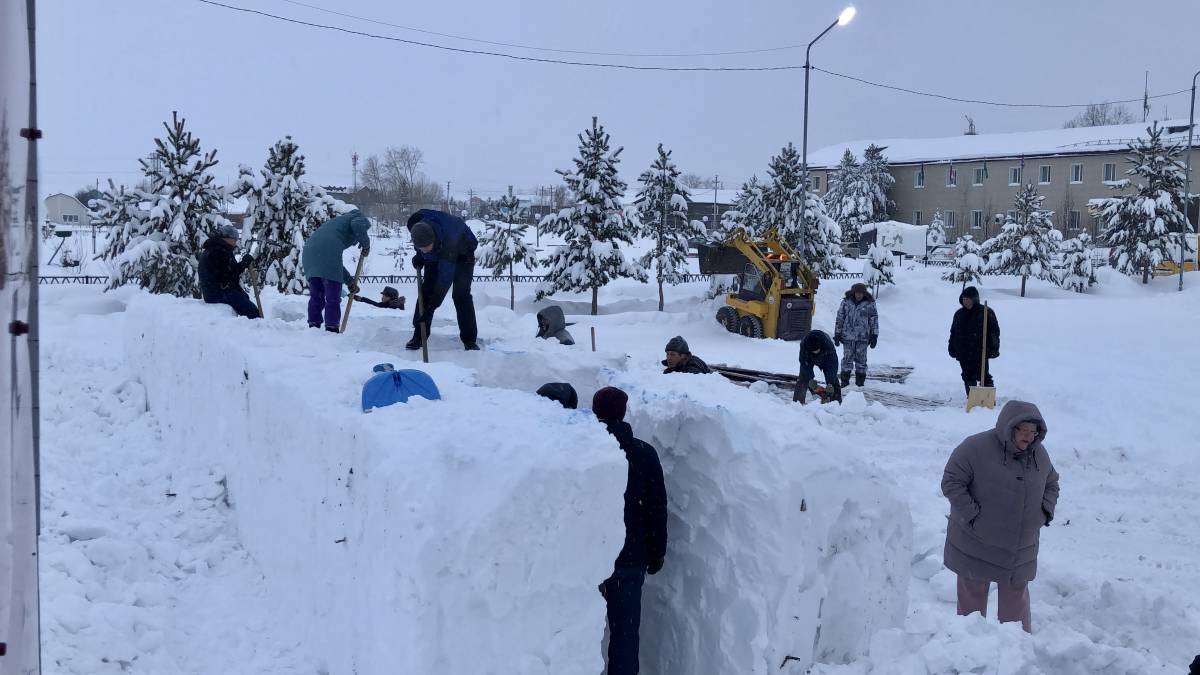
943 253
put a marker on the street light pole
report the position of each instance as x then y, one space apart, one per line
1187 186
843 19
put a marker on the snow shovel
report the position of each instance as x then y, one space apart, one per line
350 300
979 394
423 330
257 294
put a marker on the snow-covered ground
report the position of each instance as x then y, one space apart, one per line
146 568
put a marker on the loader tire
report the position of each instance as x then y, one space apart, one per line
751 326
728 317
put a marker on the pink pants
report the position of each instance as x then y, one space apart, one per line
1013 601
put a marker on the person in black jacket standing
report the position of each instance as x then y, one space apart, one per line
220 275
645 534
966 338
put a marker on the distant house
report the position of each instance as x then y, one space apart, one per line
66 211
973 179
708 205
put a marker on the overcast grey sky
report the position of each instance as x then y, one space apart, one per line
111 71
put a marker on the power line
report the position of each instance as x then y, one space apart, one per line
536 48
981 102
479 52
622 66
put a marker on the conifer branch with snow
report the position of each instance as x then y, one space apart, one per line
1028 243
662 209
968 263
503 246
1078 274
879 269
799 216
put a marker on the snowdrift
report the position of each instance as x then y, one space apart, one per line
468 535
460 536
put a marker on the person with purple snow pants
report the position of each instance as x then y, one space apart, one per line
322 263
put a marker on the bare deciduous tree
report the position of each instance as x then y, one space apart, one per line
1101 114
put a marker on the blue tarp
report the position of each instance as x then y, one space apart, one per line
389 386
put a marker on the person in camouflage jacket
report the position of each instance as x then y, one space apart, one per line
857 326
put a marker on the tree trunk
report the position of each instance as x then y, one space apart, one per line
1146 274
595 299
660 294
512 289
1023 278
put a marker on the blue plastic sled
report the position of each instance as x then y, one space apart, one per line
390 386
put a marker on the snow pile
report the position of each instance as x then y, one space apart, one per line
782 543
458 536
894 235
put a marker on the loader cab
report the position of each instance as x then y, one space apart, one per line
751 285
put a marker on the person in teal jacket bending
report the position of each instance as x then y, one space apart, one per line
322 263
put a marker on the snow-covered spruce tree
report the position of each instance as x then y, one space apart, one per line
503 245
937 229
850 198
1145 229
799 215
1078 274
749 211
879 180
1027 245
879 269
594 226
158 232
662 209
282 211
968 262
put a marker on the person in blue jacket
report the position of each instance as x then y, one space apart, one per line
322 263
446 250
817 351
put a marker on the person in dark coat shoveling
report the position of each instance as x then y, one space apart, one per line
681 360
966 339
1003 490
390 298
446 246
857 326
645 533
322 263
817 351
220 275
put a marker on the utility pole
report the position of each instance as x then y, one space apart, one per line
354 171
447 196
716 223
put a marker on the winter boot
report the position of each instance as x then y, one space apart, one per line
471 346
413 344
845 375
860 379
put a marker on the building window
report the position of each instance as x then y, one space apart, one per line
916 217
1014 175
980 174
816 183
977 219
70 219
1110 173
952 177
1073 219
1097 225
951 220
1076 173
1044 174
919 179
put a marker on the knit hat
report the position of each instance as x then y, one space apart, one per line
562 392
969 292
609 404
391 292
859 288
230 232
414 219
678 345
422 235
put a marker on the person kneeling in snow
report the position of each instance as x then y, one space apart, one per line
552 324
681 360
817 351
562 392
645 533
389 299
446 245
220 274
1002 490
858 327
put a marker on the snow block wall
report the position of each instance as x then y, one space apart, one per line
465 535
782 543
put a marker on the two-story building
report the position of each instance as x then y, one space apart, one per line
973 179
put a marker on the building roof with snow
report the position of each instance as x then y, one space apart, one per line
1044 143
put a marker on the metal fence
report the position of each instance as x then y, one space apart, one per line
71 280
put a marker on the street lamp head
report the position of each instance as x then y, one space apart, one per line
846 16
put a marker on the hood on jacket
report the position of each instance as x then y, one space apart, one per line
969 292
815 342
1018 412
551 321
867 297
217 241
562 392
